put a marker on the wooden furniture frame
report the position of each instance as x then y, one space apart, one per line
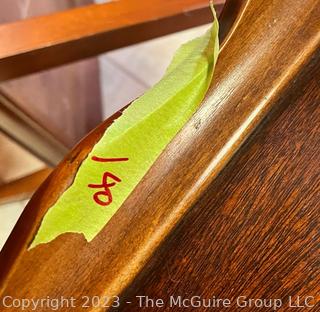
267 84
40 43
43 42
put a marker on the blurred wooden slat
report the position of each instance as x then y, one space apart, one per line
23 188
54 97
39 43
27 132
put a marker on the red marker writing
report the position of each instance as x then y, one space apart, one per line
104 197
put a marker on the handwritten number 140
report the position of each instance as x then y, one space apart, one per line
109 180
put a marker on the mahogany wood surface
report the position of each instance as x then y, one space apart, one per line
270 57
255 232
42 42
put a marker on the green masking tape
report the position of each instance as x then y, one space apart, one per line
133 142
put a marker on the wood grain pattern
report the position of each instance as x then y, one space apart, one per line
260 62
35 44
255 232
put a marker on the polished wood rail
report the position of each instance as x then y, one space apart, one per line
39 43
255 232
241 212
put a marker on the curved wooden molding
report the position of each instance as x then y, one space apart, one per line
258 65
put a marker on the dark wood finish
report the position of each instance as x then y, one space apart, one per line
261 66
255 232
18 125
23 188
35 44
